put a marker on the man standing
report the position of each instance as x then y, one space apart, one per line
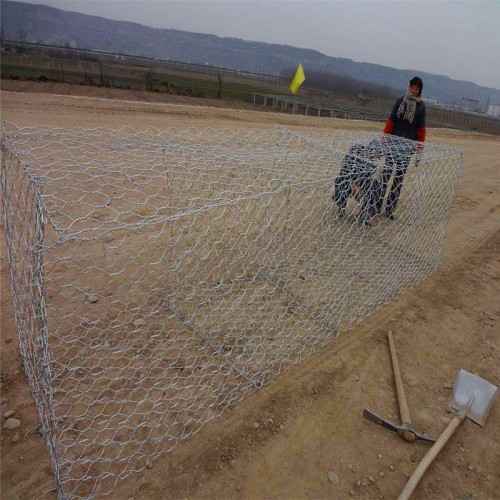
407 121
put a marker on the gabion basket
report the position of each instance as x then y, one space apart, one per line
160 276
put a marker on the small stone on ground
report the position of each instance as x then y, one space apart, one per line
333 478
11 424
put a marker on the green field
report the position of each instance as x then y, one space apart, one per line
128 76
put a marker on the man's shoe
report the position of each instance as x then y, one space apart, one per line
341 213
390 216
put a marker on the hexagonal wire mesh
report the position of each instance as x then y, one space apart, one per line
160 276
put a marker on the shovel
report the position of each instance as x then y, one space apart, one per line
472 397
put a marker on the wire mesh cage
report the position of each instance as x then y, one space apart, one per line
160 276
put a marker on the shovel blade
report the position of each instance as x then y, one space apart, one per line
470 388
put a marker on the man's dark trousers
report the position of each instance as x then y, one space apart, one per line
397 162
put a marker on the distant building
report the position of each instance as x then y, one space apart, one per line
429 101
493 110
72 44
470 104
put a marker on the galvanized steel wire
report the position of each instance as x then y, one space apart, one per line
160 276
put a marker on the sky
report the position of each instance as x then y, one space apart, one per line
459 39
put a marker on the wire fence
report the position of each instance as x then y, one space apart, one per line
160 276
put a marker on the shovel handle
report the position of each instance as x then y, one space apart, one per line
403 405
429 457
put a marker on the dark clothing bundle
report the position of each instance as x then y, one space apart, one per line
356 169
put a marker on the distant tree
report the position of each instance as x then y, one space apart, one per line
59 74
88 79
219 85
103 78
150 79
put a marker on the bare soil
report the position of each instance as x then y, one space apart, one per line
310 418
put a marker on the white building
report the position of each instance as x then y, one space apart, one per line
493 110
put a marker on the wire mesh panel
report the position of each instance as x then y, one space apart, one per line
159 277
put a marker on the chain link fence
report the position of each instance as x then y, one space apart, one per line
159 277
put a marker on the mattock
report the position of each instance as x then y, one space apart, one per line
406 430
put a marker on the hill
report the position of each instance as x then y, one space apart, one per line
55 26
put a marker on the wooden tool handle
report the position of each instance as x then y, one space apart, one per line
403 405
429 457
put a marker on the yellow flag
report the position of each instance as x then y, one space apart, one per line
298 79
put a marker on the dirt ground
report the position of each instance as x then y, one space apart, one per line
310 419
